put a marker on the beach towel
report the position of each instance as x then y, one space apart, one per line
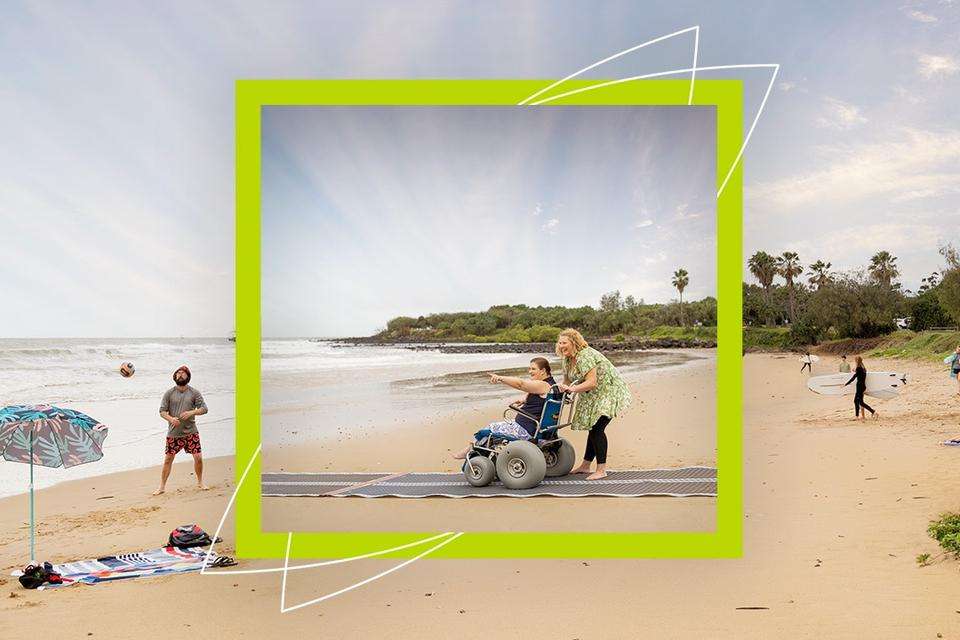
155 562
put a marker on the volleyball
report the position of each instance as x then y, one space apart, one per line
127 369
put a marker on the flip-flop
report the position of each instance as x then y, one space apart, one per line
951 443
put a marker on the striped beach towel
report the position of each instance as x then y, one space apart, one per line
155 562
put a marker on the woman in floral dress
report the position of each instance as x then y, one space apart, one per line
603 396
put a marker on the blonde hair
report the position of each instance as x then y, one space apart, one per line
574 336
579 344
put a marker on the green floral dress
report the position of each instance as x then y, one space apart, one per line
611 396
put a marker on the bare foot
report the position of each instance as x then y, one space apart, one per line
158 491
599 475
580 469
459 456
203 487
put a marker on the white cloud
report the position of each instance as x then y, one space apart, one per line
537 210
932 66
787 86
644 223
920 16
682 213
909 165
551 225
839 115
907 95
658 257
845 247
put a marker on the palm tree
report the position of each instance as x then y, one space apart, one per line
788 266
820 273
883 267
680 280
930 282
763 266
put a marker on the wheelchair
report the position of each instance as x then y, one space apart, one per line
523 464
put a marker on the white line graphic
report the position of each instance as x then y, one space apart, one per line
223 519
693 73
753 125
283 592
617 55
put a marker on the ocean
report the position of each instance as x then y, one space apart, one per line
310 389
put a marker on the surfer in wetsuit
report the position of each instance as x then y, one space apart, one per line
860 375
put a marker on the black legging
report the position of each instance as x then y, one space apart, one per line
858 402
806 365
597 442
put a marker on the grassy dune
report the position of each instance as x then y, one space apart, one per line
925 345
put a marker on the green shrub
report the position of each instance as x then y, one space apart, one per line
542 333
946 531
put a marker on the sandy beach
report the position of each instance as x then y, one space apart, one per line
835 514
671 423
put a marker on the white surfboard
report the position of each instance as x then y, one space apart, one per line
812 358
880 384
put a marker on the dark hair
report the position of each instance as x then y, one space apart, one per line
542 364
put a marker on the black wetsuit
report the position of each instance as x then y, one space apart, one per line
860 375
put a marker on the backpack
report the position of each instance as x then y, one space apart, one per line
36 575
190 535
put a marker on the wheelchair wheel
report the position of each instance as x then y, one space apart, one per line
479 471
520 465
560 459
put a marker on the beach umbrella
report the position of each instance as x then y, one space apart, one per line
51 437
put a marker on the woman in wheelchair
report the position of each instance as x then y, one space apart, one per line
538 386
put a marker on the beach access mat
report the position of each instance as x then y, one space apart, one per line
156 562
679 482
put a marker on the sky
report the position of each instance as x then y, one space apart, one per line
116 167
371 213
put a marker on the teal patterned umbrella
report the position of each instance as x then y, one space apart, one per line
50 437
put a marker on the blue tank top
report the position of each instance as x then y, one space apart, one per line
534 406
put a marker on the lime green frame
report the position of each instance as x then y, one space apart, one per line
724 541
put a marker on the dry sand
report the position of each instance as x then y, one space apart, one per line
836 512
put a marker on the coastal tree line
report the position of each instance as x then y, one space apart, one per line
816 303
614 315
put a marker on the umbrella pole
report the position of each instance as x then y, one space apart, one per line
32 543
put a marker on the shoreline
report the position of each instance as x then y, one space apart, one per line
407 425
452 346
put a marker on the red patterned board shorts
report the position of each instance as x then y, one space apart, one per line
189 443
